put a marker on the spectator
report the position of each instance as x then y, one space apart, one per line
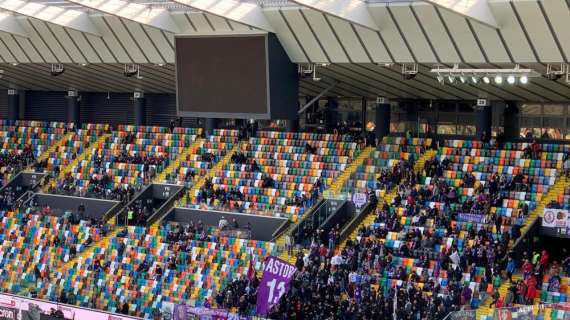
223 223
124 308
289 244
535 148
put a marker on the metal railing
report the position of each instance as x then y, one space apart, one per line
123 208
289 227
161 212
355 222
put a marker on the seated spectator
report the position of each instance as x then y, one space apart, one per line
535 148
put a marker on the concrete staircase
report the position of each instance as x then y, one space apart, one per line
53 147
334 189
161 178
553 192
369 219
419 165
280 241
81 257
484 309
87 153
218 166
386 197
340 181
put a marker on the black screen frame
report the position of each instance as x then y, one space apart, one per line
225 115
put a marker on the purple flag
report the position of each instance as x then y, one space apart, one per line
473 217
277 275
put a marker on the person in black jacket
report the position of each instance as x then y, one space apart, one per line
125 308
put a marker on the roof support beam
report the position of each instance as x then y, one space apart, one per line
73 19
354 11
473 9
239 11
9 24
154 17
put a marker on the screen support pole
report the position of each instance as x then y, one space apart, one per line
308 104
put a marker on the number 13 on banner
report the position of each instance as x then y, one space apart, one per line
277 275
274 298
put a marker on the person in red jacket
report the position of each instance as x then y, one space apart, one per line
526 268
531 292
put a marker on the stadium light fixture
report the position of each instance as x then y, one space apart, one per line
132 70
440 79
451 79
309 70
488 75
57 69
523 79
511 80
409 71
315 77
555 72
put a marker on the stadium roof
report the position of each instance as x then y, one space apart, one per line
363 43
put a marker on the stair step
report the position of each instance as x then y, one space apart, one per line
388 197
176 164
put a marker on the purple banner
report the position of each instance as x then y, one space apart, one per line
471 217
183 312
277 275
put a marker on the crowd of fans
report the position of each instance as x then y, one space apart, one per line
345 285
66 238
348 284
149 163
100 187
101 184
12 162
8 199
534 268
218 197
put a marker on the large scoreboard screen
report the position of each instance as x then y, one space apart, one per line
246 76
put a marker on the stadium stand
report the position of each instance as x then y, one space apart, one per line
73 145
25 141
44 242
145 268
284 159
279 174
206 154
129 158
427 233
444 224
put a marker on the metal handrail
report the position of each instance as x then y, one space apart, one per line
116 213
159 214
354 222
305 216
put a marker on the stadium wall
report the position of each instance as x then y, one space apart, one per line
95 107
263 227
4 105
